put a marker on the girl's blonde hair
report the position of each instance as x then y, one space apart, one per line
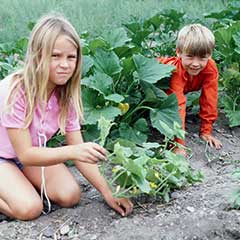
196 40
34 76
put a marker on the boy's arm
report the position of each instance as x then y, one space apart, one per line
92 174
208 108
208 102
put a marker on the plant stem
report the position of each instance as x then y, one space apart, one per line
163 183
116 177
235 103
130 87
138 107
121 194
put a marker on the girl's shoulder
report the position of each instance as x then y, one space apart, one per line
5 85
9 83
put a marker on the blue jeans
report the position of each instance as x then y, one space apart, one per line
12 160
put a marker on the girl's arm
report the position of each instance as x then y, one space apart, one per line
92 174
39 156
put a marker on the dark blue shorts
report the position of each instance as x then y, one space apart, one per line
12 160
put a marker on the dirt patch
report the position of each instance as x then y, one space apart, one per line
200 212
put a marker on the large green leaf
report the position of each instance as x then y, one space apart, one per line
141 160
87 63
128 65
126 51
104 126
167 113
132 133
236 38
107 62
225 41
152 93
97 43
90 132
6 66
100 82
92 115
95 107
117 37
121 154
234 118
142 183
141 125
138 32
135 168
117 98
150 70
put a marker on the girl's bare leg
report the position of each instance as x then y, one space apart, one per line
61 186
18 198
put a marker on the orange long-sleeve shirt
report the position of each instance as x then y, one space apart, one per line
207 80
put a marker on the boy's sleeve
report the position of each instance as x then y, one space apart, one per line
73 123
208 102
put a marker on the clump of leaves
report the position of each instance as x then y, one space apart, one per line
228 52
227 55
147 168
11 56
231 97
123 82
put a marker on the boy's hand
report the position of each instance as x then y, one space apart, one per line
211 140
180 151
122 205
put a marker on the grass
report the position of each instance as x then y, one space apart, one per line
94 16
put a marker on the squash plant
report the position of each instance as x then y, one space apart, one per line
123 88
145 168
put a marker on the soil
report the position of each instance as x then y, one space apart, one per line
200 212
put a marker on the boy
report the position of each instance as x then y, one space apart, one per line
195 70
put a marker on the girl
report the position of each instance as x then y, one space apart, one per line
35 103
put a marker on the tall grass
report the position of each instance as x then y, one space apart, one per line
94 16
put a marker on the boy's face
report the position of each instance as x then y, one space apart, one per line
193 64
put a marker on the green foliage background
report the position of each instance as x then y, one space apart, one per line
94 16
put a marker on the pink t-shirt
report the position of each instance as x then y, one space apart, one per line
16 119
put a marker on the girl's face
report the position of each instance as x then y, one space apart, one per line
63 62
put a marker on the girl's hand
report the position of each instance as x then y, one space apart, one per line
88 152
121 205
211 140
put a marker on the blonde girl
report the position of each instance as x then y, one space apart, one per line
35 103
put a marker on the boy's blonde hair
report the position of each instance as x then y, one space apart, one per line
34 76
196 40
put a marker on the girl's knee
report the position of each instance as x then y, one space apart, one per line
28 210
69 197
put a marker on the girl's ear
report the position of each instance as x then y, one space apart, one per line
178 52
